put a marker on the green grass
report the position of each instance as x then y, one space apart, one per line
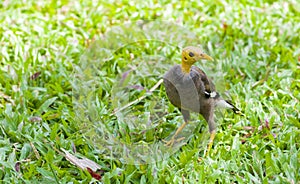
256 47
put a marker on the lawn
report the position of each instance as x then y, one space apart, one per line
83 78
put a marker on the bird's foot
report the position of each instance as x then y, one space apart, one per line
172 141
208 148
206 152
210 143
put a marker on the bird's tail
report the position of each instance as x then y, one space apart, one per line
233 108
227 104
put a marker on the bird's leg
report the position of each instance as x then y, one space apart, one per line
171 142
186 118
210 143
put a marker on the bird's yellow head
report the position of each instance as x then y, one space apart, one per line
190 55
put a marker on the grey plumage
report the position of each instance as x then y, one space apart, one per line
194 92
189 89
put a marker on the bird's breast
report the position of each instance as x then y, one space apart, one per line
186 89
188 92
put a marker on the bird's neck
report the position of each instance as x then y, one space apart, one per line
185 67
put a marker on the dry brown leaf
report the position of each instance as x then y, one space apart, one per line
84 164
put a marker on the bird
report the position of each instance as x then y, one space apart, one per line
190 90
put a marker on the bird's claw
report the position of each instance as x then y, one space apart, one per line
169 143
206 152
172 141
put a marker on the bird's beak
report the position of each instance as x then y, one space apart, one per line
207 57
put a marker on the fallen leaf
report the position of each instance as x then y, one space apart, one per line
35 119
7 98
124 76
35 75
137 87
94 174
248 128
245 137
17 166
84 164
37 155
267 125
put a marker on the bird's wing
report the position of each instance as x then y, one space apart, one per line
203 83
185 114
172 93
170 79
207 88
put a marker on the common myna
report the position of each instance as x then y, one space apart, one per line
189 89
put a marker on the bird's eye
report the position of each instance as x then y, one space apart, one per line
185 58
191 54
